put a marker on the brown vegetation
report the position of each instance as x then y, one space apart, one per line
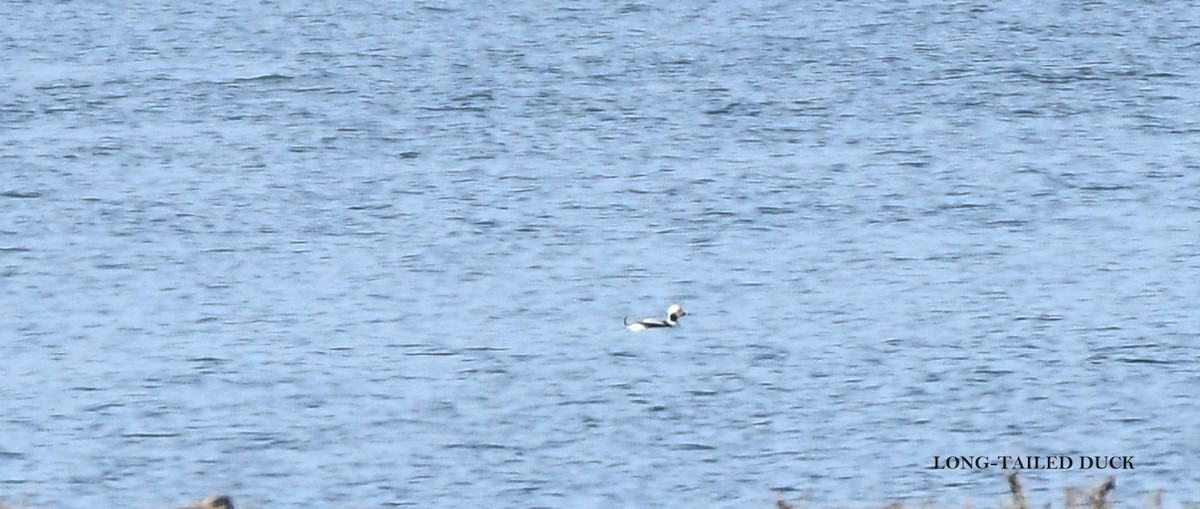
1073 498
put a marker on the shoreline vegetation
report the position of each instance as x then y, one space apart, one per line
1073 498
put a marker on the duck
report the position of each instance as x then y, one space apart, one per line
214 502
674 313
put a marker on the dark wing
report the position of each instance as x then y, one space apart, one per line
654 324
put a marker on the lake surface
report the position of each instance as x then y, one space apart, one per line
379 254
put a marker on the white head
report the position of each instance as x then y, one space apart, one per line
674 313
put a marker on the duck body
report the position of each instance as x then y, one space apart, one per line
674 313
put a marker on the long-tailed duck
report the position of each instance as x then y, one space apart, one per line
673 314
214 502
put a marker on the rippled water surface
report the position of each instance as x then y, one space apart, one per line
378 254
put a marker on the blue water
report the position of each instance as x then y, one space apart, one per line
378 254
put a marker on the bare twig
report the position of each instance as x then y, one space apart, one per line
1018 493
1099 499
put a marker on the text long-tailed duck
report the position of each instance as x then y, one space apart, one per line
673 314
